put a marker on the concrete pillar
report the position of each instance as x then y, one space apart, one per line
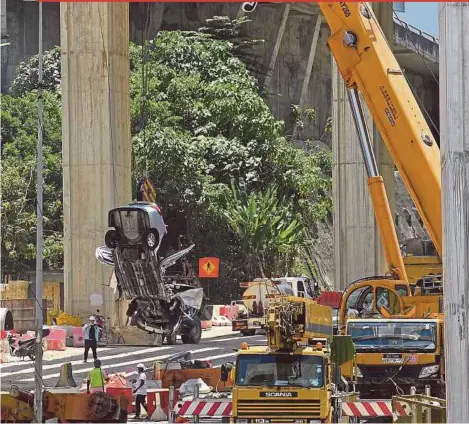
454 119
357 246
96 142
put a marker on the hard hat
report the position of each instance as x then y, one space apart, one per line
141 366
92 318
97 363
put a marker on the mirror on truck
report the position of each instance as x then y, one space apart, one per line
225 371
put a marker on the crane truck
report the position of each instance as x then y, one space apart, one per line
398 332
296 376
394 352
251 316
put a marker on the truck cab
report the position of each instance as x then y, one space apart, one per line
273 386
398 353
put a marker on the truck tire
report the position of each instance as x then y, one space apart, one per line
192 335
248 332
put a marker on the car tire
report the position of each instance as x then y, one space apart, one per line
111 239
248 332
193 334
151 239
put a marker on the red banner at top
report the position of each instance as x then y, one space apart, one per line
210 1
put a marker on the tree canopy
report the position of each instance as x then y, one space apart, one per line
198 124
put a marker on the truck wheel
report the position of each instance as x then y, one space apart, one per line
151 239
171 340
248 332
193 334
110 239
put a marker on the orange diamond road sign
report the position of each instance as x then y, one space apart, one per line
149 192
209 267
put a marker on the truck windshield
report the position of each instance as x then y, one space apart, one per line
281 370
398 336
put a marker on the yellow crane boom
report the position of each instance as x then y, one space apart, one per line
369 66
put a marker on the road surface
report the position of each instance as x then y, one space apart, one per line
121 359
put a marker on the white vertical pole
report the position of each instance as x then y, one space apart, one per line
39 314
454 118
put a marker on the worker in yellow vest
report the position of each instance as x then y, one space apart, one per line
97 378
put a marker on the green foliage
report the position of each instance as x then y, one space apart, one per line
26 75
265 228
19 138
198 123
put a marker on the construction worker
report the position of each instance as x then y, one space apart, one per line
91 334
96 379
140 390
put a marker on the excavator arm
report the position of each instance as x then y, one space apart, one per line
368 65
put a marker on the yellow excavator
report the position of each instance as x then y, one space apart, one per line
397 327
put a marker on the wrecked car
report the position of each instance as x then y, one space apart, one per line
157 306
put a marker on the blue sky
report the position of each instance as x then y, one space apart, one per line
423 15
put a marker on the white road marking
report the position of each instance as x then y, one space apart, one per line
135 361
225 355
28 361
230 338
118 355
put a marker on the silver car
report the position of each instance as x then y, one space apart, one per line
132 244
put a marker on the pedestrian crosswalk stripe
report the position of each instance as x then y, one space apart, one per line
116 356
120 364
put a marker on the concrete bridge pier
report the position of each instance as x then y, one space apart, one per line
96 143
358 252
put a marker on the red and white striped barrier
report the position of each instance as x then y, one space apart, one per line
204 408
378 408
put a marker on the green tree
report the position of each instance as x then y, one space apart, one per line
264 227
19 138
198 122
27 75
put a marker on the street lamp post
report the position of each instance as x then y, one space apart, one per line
39 236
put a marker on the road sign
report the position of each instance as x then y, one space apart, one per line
149 192
209 267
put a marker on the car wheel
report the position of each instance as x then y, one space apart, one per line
151 239
248 332
193 335
111 238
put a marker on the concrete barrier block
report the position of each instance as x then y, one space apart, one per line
53 344
5 352
57 333
78 337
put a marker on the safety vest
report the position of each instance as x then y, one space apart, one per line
96 378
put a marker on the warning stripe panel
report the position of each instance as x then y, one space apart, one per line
399 409
199 408
384 407
213 409
219 408
367 409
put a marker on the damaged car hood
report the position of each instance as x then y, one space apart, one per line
192 297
